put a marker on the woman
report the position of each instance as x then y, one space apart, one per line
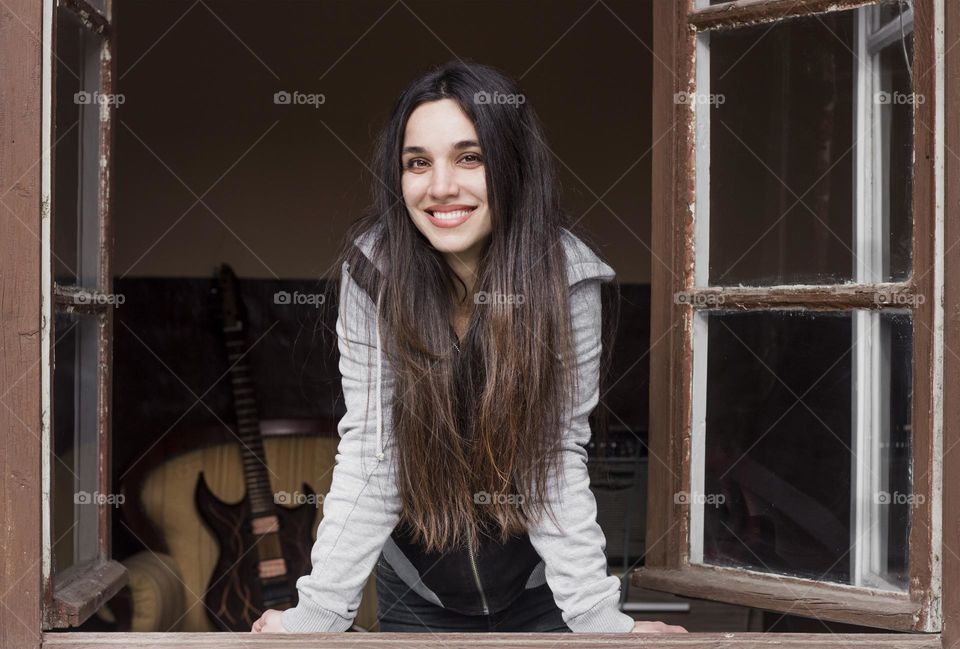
469 336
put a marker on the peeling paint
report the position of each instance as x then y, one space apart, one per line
745 13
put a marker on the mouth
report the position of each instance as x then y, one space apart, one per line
447 218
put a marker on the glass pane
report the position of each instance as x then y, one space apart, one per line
76 153
895 106
891 9
893 497
781 152
74 461
792 465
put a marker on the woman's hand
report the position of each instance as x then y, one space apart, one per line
656 627
269 622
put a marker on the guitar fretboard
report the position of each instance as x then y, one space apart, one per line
254 459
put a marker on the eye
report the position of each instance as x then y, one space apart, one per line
476 158
413 163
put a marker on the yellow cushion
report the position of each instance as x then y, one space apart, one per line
157 589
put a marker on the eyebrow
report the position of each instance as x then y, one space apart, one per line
459 146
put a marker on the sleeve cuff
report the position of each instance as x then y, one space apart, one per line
304 618
605 617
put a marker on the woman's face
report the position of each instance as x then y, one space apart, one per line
443 180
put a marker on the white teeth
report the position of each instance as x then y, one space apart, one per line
450 216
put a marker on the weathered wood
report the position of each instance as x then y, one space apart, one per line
671 234
794 596
925 537
843 297
950 551
20 226
742 13
474 640
106 141
82 589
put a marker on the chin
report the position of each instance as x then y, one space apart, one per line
453 240
452 245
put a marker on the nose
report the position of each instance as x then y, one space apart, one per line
443 183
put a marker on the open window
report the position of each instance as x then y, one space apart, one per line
794 407
78 572
803 244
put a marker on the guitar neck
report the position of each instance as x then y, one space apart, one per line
255 475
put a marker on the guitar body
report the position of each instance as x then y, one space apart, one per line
236 595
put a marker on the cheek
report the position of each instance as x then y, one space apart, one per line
478 186
412 190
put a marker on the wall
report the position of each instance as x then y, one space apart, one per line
285 181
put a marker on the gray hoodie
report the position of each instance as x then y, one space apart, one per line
362 507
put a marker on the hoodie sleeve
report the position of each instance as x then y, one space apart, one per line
362 507
573 553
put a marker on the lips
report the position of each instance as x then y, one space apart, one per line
450 218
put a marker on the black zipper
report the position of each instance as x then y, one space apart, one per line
476 577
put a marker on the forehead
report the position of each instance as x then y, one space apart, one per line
438 125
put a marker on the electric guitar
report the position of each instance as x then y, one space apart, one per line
264 546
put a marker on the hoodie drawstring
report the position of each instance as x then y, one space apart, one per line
379 402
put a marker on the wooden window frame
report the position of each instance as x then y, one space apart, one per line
72 595
668 566
22 214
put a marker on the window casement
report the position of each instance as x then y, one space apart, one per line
798 204
78 572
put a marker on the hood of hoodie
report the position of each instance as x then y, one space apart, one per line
582 264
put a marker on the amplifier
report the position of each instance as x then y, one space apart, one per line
618 479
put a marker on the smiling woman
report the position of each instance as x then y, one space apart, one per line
466 478
444 184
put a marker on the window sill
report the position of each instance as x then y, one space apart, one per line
80 590
525 640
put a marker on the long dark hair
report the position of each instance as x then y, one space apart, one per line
490 419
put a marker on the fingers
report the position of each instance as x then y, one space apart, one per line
657 627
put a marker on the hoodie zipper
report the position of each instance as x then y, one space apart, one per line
473 561
476 577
